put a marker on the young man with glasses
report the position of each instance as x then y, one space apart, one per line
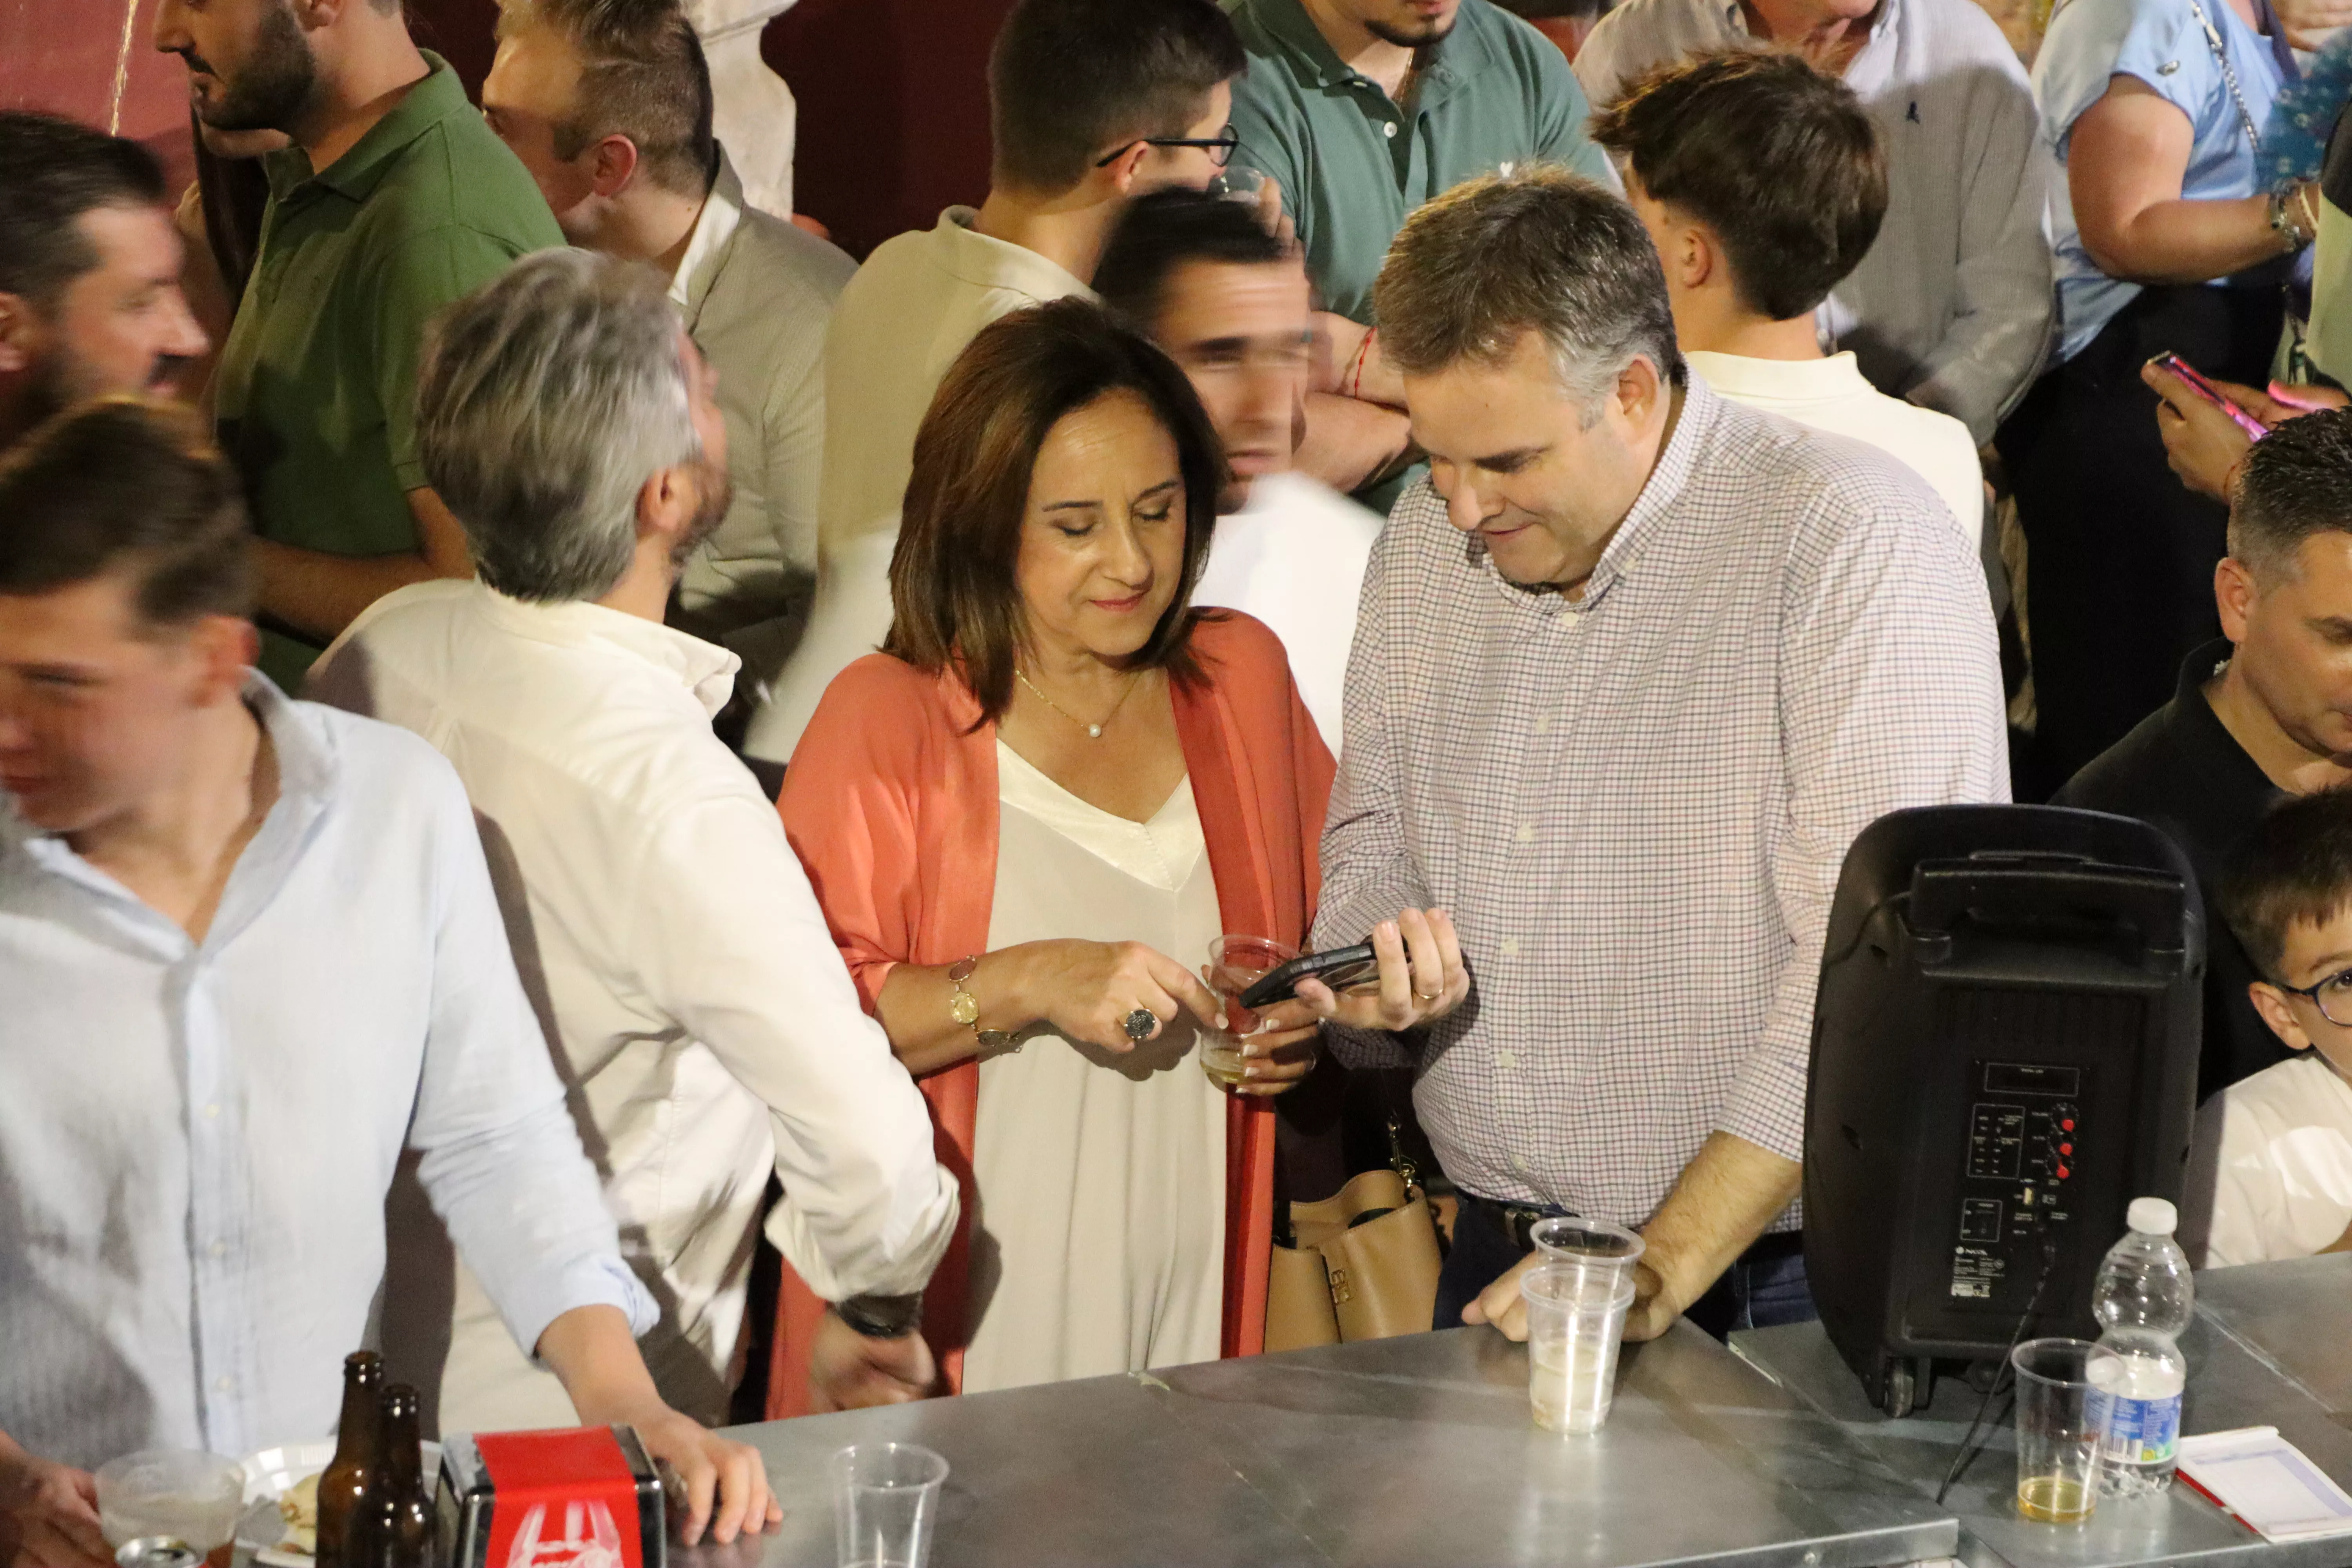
2269 716
2272 1174
1092 103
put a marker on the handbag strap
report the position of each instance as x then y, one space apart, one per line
2229 75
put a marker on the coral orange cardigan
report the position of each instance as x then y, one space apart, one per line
891 803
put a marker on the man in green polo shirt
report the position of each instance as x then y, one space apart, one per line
1362 110
394 200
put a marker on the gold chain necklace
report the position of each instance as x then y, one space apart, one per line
1094 732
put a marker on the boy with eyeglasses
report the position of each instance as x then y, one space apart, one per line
2272 1175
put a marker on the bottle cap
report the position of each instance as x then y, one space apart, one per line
2152 1216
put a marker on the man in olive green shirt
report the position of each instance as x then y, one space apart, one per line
394 200
1362 110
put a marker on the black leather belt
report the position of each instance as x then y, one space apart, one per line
1516 1221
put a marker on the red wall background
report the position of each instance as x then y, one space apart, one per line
893 94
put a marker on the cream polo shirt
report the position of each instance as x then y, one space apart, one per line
900 324
1831 395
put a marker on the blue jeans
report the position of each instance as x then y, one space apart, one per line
1764 1287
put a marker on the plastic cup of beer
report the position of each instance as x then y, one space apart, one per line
1235 964
1576 1316
2057 1435
185 1494
1588 1243
885 1504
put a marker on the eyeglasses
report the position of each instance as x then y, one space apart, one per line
1219 147
2332 996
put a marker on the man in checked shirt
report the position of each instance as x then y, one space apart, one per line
1633 668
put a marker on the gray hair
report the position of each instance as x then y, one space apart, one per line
546 400
1544 251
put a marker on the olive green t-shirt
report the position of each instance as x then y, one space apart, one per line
316 392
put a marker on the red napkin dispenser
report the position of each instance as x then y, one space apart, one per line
583 1497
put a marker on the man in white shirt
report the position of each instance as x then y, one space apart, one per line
1092 103
1951 306
1762 182
608 104
267 931
1201 276
687 976
2270 1175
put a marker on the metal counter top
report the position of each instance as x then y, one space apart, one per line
1415 1452
2233 1381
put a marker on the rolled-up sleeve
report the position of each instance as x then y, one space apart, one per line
501 1157
734 946
1890 697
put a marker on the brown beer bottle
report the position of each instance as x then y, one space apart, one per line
359 1446
396 1526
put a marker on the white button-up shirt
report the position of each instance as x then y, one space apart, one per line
689 981
1635 805
1951 308
197 1138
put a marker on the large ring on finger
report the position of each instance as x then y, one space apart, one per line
1139 1023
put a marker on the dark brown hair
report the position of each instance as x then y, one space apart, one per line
1777 158
953 588
128 485
2293 869
1069 81
642 75
52 172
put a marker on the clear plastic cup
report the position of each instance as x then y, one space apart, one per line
2057 1434
1235 964
185 1494
885 1504
1588 1243
1576 1316
1237 182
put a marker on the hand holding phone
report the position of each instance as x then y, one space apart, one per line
2206 392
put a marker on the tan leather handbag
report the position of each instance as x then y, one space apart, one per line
1364 1266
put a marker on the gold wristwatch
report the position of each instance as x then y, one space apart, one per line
964 1008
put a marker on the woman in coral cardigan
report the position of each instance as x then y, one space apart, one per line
1027 820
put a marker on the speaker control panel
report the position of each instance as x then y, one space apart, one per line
2024 1127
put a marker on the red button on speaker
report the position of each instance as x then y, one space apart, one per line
2063 1173
2067 1125
2065 1148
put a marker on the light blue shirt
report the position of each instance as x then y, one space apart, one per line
2160 43
195 1139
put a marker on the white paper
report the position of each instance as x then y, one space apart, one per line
2268 1482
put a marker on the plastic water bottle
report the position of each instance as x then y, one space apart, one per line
2142 1300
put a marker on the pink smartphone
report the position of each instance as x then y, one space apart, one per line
2205 389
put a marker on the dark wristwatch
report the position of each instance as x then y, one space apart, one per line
882 1317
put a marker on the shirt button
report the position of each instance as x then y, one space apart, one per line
1525 835
212 1111
226 1384
1508 1058
1388 129
1543 725
220 1249
1510 947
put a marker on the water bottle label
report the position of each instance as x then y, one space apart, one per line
2136 1431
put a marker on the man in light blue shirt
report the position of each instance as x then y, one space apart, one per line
249 951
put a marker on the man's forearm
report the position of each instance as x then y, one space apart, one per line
318 594
1725 1197
595 1356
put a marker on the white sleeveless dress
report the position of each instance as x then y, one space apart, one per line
1100 1242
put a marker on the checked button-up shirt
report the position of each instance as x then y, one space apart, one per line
1635 804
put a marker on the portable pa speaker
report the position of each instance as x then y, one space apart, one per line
2005 1049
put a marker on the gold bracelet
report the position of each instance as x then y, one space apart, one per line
964 1008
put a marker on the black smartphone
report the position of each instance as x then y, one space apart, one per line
1340 968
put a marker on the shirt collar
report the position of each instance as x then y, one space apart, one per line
706 248
1738 376
704 669
986 262
307 777
1466 51
437 96
1735 21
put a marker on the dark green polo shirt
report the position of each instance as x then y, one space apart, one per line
1495 94
316 392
